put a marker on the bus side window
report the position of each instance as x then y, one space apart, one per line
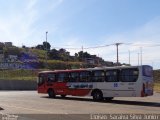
129 75
62 77
74 77
51 77
112 76
84 76
98 76
41 79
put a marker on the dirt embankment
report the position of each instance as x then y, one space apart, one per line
156 75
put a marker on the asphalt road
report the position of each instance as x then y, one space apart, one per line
29 103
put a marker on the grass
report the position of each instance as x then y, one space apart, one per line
157 86
20 78
39 53
18 74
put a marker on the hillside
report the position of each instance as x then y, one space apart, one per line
38 58
156 75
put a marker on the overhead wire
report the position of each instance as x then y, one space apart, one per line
102 46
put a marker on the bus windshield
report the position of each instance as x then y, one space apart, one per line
41 79
147 71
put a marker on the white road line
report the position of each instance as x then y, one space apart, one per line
31 109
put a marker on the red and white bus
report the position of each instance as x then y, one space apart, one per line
100 83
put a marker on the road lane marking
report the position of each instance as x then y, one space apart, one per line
31 109
33 101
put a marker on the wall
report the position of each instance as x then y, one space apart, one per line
18 85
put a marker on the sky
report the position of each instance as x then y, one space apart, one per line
87 23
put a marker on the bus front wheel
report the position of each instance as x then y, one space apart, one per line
97 96
51 93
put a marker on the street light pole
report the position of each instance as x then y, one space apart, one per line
46 49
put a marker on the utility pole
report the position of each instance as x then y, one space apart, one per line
82 56
138 59
117 44
152 64
46 49
141 54
98 61
129 57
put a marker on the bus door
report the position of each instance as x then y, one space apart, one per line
84 85
80 84
127 85
73 83
98 80
61 85
111 84
147 77
51 79
41 82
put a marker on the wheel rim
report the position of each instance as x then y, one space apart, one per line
97 96
51 93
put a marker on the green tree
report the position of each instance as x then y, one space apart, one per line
13 51
82 55
40 47
46 46
54 54
64 55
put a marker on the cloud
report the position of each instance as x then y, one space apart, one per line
146 37
21 24
16 26
31 4
72 44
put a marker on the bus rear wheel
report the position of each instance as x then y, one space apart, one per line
97 96
51 93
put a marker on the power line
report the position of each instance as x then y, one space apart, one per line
146 45
117 44
98 46
67 48
102 46
93 47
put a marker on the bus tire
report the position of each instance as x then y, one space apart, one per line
109 98
51 93
97 95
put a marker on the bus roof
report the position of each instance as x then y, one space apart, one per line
96 68
67 70
114 67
